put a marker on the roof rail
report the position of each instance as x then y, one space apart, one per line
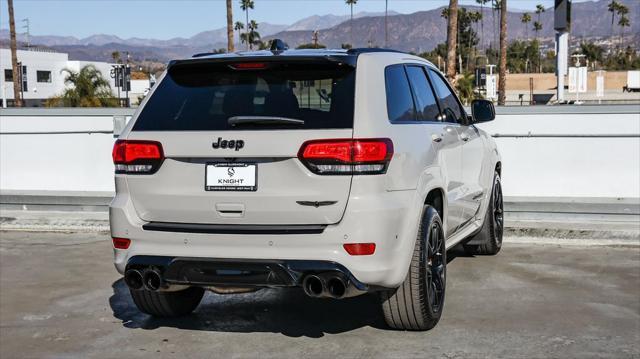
364 50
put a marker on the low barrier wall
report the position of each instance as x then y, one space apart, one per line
568 152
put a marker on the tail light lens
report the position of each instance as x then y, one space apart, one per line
347 156
360 249
121 243
137 157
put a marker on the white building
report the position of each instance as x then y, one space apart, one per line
43 76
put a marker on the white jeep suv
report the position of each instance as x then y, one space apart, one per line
340 172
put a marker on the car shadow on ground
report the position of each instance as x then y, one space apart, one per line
288 311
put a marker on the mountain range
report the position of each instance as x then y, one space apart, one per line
417 32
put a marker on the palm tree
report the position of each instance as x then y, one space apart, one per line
230 46
245 5
502 69
251 36
537 26
17 99
539 10
86 88
613 7
525 18
115 56
623 22
475 17
452 41
495 6
482 2
239 26
351 3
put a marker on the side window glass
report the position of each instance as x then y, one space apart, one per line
427 107
450 106
399 99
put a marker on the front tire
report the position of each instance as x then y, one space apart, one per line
489 240
418 303
167 304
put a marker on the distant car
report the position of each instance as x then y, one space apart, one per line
340 172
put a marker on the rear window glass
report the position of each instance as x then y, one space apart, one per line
425 100
203 97
399 99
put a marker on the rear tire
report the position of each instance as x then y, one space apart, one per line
490 236
418 303
167 304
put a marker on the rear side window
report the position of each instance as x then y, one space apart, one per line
203 97
450 106
399 98
427 106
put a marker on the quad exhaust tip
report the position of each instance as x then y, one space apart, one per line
336 287
133 279
152 279
313 286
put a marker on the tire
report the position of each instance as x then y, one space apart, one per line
418 303
167 304
489 238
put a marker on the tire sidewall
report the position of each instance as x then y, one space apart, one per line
429 219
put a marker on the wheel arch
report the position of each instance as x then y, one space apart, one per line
435 198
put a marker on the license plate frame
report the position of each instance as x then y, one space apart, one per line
241 171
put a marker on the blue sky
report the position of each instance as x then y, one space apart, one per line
163 19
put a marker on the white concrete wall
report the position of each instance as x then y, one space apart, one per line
51 150
40 150
603 166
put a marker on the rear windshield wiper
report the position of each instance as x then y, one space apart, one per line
263 120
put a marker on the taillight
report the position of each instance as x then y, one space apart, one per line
347 156
137 157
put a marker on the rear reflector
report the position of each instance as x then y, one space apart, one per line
137 157
360 249
347 156
121 243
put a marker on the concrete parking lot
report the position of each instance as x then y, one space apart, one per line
61 297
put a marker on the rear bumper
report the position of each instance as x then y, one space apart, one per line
389 219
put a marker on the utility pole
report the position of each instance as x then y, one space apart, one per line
28 33
314 39
17 100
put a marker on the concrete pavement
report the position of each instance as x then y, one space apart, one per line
61 297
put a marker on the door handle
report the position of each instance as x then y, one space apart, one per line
436 138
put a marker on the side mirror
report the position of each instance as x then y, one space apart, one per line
482 111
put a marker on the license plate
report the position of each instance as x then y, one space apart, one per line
231 177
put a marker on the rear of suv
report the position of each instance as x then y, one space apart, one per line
340 172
